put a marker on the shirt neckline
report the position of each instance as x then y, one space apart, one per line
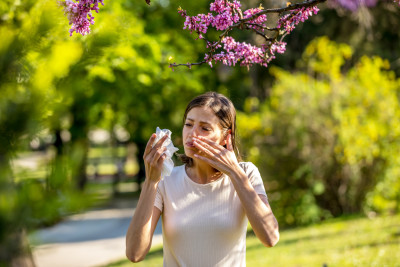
197 184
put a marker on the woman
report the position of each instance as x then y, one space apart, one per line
205 203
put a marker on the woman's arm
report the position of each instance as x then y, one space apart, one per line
144 221
257 209
142 226
256 206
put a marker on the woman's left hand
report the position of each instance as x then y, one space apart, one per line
219 157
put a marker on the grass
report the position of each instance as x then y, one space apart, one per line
339 242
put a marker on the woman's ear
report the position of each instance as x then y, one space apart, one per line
226 137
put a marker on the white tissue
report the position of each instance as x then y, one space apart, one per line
168 163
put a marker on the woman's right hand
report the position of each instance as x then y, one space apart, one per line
154 158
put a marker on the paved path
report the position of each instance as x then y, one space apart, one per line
93 238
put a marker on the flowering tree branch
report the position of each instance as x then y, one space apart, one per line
228 17
79 14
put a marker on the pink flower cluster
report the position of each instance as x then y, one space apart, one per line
289 21
259 20
227 15
198 23
79 14
222 6
245 53
278 47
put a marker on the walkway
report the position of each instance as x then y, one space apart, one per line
93 238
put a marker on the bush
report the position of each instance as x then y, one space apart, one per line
326 139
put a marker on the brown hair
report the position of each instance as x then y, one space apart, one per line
223 109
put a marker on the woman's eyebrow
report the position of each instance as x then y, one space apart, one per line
203 122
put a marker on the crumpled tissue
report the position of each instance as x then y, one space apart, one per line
168 163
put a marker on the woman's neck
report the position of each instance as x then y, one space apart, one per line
202 173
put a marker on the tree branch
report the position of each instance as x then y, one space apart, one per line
284 9
248 24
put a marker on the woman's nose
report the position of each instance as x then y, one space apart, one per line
195 131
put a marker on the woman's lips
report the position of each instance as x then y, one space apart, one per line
189 144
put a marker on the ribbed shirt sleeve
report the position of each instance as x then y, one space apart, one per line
254 177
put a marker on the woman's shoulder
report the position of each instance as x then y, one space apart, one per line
247 165
179 168
176 177
176 172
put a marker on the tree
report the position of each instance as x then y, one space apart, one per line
51 82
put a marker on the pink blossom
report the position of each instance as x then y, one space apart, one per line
234 52
225 15
289 21
79 14
278 47
259 20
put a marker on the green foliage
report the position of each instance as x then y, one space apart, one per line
328 133
326 138
339 242
118 76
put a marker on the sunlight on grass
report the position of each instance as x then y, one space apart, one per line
338 242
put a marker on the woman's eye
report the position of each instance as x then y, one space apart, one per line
188 124
206 129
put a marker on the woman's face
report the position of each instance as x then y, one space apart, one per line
201 121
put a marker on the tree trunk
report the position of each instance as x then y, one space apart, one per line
14 247
141 146
79 143
58 175
23 256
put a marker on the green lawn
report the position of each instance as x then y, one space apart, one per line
339 242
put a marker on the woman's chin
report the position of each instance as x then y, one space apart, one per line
190 152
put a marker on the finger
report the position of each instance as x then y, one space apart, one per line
149 145
205 145
211 143
157 154
229 142
160 142
204 149
161 160
157 146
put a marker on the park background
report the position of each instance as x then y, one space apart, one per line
322 122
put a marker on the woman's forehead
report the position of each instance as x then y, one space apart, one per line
202 114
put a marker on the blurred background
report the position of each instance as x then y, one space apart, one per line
322 123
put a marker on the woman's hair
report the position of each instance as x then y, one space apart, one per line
223 109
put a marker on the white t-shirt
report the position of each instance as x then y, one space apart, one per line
204 224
